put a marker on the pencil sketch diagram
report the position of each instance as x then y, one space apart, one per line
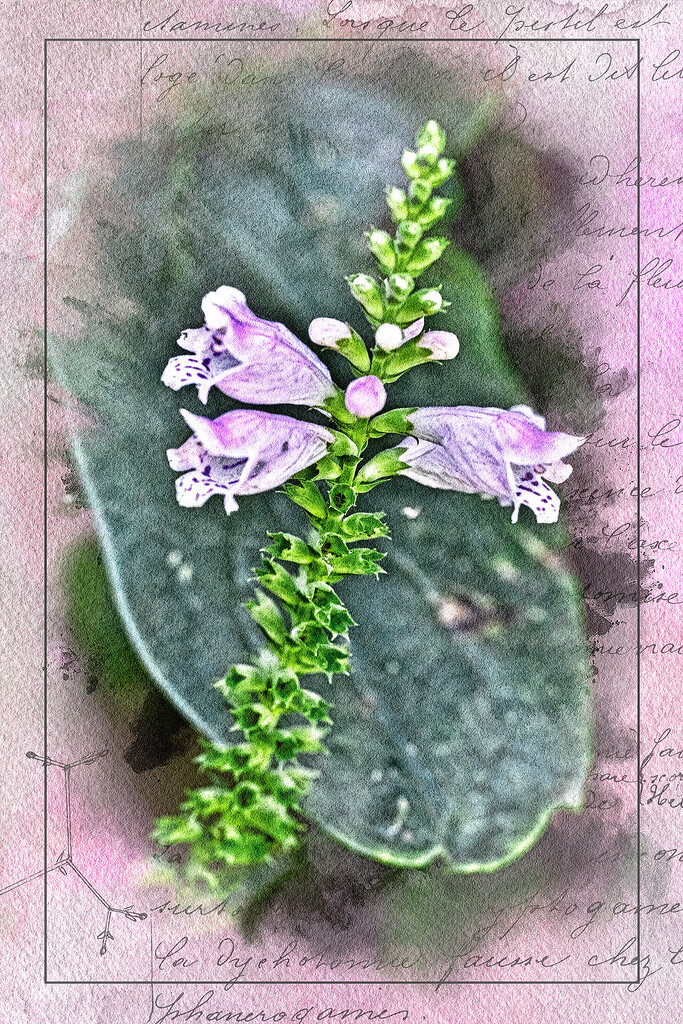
65 860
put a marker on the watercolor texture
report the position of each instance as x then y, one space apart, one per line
552 190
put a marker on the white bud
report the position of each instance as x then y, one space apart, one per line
431 300
389 337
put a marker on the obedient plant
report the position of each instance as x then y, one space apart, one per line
251 810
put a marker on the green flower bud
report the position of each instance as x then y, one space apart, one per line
266 614
420 190
403 359
399 287
342 497
285 686
366 291
426 156
432 211
335 406
408 234
442 172
432 135
342 444
382 248
431 300
422 303
355 351
177 830
328 468
397 421
337 335
246 794
308 497
432 346
397 203
427 252
410 164
384 465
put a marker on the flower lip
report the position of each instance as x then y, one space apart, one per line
250 359
245 451
527 443
365 396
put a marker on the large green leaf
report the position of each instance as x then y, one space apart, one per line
465 721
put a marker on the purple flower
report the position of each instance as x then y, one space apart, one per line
328 332
365 396
498 454
243 452
440 344
249 359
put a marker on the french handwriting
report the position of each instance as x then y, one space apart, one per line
521 19
170 24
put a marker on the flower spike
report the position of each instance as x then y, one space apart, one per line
251 813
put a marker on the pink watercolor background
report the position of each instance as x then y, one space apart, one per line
113 807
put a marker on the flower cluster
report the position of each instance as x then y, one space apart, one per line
508 455
493 452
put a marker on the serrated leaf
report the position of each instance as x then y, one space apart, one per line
290 549
364 526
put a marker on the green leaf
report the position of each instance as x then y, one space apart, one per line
306 495
465 720
275 578
266 614
95 623
358 562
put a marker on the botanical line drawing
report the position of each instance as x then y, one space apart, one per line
66 859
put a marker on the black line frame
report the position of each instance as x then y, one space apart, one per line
346 40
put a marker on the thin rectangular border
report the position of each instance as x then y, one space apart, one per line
333 39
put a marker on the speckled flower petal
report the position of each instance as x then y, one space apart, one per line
243 452
497 453
249 359
532 490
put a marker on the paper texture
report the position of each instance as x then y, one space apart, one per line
554 936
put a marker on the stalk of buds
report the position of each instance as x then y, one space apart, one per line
403 258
